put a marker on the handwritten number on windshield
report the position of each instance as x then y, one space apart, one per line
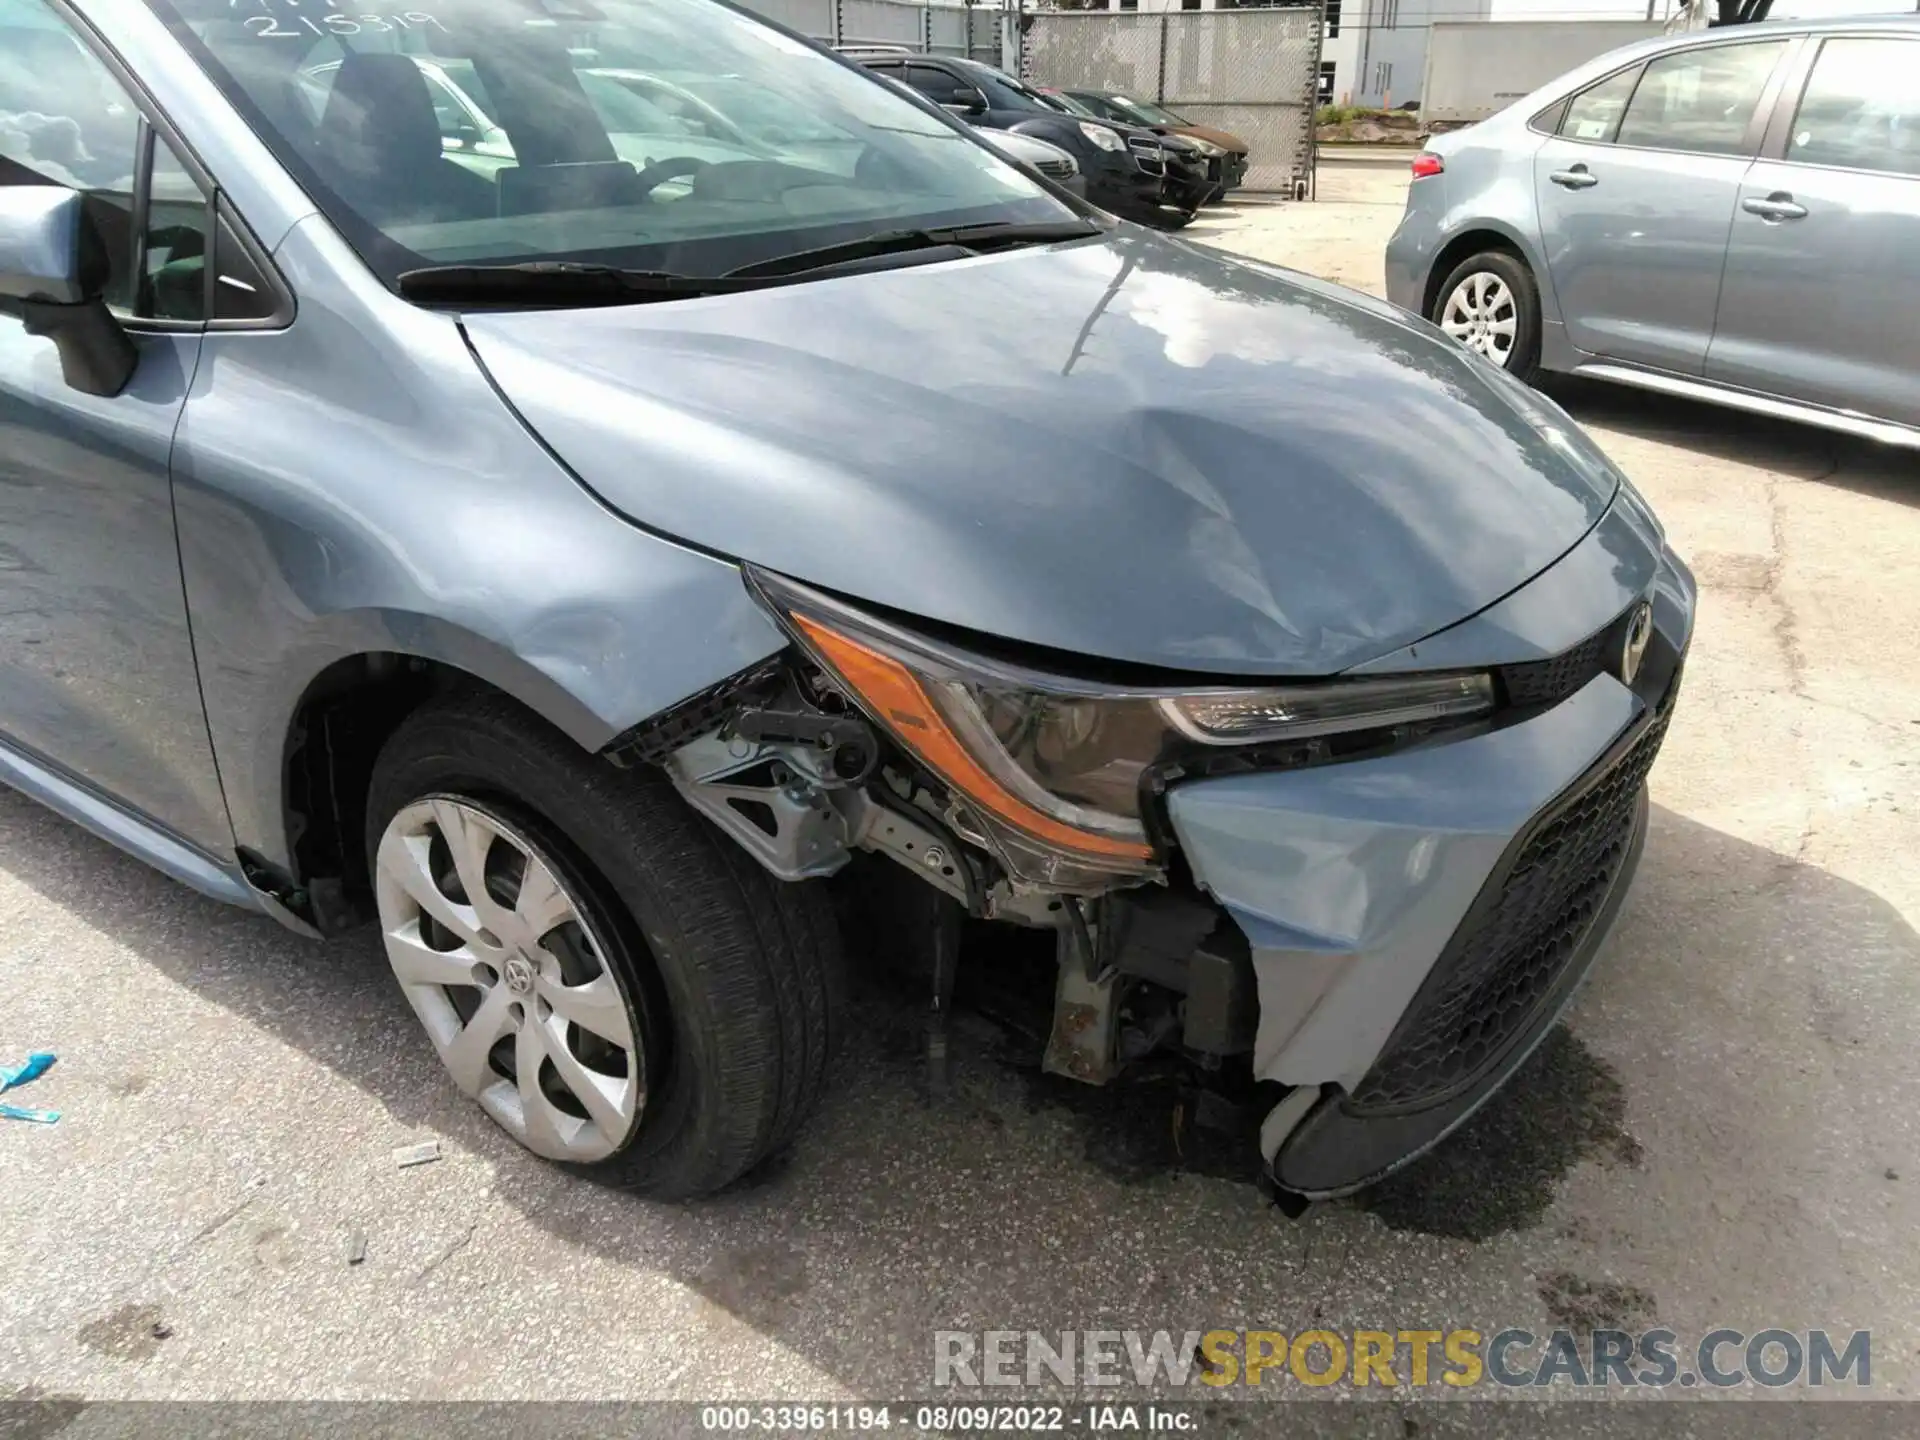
300 27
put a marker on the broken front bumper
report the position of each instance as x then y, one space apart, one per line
1417 921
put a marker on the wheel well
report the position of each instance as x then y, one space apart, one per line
346 715
1458 249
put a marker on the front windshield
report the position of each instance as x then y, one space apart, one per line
1003 92
1144 112
671 135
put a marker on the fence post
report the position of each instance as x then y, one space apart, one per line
1160 82
1313 103
839 26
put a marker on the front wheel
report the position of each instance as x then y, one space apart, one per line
618 988
1490 304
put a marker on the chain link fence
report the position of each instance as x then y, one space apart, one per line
1254 73
939 29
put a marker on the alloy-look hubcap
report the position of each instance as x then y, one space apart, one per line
1480 313
509 980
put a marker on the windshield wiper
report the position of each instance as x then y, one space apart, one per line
570 282
894 242
560 282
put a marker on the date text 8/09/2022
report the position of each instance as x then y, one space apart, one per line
938 1419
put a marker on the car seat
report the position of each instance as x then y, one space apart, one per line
378 146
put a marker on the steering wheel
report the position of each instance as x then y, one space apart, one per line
672 168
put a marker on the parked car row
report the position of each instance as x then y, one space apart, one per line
1224 152
1732 216
1140 171
1044 158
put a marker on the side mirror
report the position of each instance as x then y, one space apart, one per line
966 105
53 270
42 246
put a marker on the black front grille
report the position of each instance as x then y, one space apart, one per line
1501 965
1148 155
1548 682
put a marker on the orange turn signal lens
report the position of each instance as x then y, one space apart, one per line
894 695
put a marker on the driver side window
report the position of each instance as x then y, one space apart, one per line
941 87
66 120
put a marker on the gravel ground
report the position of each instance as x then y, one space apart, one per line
1723 1133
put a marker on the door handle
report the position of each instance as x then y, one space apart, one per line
1777 206
1575 179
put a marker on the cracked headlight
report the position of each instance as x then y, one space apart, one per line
1048 771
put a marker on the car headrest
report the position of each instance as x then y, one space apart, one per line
379 116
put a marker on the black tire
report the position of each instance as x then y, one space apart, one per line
736 979
1524 359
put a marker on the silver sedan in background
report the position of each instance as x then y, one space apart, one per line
1732 216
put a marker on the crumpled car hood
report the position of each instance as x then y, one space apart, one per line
1127 448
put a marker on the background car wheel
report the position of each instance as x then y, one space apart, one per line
619 988
1491 305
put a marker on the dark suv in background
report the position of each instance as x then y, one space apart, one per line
1224 153
1129 170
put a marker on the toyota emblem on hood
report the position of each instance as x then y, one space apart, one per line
1633 647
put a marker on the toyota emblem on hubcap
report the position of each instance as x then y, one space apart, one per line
1633 649
519 975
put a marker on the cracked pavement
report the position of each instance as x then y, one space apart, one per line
1724 1134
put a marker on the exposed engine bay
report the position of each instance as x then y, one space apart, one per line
1025 798
1400 963
782 761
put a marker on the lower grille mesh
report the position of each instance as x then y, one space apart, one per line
1486 988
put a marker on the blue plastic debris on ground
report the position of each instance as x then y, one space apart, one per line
14 1076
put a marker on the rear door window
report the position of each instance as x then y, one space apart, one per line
1861 108
1701 100
1594 114
938 86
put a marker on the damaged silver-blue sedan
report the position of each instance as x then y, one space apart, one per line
565 521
